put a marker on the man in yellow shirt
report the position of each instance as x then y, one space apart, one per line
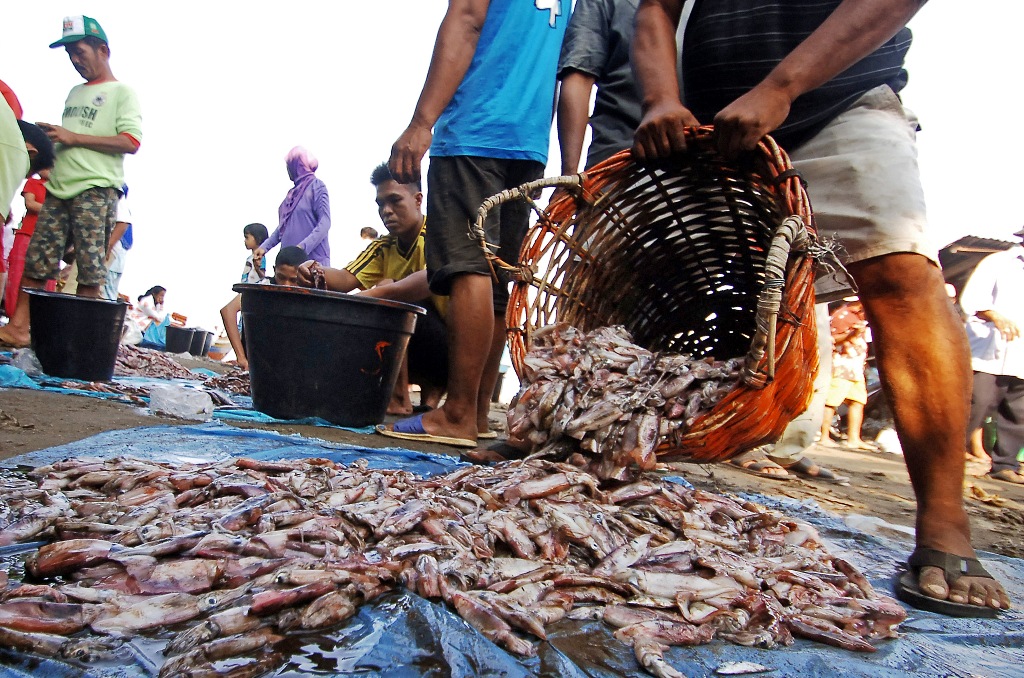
393 267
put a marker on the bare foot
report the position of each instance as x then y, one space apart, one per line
437 423
399 411
948 537
9 337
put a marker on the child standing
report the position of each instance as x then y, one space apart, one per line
254 270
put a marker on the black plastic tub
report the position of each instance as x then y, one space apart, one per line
323 354
207 343
198 341
179 339
76 337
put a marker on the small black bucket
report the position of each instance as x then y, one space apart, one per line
76 337
207 343
198 341
323 354
179 339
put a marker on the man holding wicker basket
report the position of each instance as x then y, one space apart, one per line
822 78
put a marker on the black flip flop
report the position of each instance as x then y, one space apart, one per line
904 583
803 467
755 464
494 453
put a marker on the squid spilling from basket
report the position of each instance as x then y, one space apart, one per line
601 394
223 561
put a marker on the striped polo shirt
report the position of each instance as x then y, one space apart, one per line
731 45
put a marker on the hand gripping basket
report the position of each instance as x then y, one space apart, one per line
692 255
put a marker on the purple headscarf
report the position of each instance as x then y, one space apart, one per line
301 167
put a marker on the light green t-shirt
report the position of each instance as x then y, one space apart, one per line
105 109
13 158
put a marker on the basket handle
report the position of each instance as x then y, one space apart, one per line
573 183
790 235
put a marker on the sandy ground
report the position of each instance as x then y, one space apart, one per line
879 484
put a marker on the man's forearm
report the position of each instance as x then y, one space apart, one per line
573 116
654 50
854 30
116 145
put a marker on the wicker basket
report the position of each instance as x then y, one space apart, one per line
692 255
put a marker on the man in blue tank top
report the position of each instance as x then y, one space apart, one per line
824 76
485 114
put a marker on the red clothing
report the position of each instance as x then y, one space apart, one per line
22 236
37 187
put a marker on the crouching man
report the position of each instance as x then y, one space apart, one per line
393 267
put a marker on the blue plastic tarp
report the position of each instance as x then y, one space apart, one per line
401 634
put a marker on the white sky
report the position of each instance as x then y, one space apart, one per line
228 87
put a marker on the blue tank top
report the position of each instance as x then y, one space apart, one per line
503 107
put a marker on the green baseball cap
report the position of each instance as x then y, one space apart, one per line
78 27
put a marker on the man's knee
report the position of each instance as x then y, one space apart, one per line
899 275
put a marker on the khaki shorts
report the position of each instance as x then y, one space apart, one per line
864 183
841 390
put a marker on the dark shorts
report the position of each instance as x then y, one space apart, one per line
456 187
428 350
87 219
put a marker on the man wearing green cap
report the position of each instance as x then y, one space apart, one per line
101 123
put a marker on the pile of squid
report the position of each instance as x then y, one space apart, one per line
133 361
603 396
236 382
224 560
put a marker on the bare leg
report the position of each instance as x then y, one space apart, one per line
470 326
826 427
854 421
16 332
90 291
977 446
924 363
400 403
490 375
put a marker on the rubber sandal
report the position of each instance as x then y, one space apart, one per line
487 435
905 587
755 462
805 468
1008 475
412 429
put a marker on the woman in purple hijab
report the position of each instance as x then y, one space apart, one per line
304 217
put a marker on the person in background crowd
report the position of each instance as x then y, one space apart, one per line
995 316
368 233
149 318
118 244
286 272
34 193
755 67
596 51
849 359
254 269
485 115
394 267
101 123
304 217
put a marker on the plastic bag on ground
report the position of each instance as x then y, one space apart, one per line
181 402
25 360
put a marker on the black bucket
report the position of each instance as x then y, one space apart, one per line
323 354
76 337
197 343
179 339
207 344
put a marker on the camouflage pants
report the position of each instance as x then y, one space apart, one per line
87 220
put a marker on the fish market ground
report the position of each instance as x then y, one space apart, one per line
879 486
